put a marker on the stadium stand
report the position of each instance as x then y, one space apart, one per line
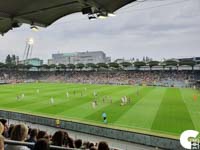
152 78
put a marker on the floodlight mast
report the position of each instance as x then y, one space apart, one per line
28 50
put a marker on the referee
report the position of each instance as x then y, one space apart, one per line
104 116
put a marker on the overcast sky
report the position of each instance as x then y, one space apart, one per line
154 28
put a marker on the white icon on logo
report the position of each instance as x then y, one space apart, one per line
188 144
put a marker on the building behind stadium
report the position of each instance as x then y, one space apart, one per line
79 57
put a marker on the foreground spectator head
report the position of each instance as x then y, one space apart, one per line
11 127
93 148
3 121
33 137
58 138
33 134
103 146
42 144
78 143
5 132
66 136
42 134
1 142
86 145
91 145
1 128
19 132
70 142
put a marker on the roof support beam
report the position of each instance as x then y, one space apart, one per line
4 15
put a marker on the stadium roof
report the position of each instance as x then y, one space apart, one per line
44 12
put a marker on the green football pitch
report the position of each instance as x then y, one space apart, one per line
153 110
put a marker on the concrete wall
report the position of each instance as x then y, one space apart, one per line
127 136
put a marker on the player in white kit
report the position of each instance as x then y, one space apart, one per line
22 96
67 94
52 100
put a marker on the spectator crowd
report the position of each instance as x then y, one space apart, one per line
41 140
159 77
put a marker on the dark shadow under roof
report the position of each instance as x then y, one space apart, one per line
44 12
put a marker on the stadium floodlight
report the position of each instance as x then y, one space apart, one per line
102 15
30 41
34 28
111 15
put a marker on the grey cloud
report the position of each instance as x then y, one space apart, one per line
171 31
